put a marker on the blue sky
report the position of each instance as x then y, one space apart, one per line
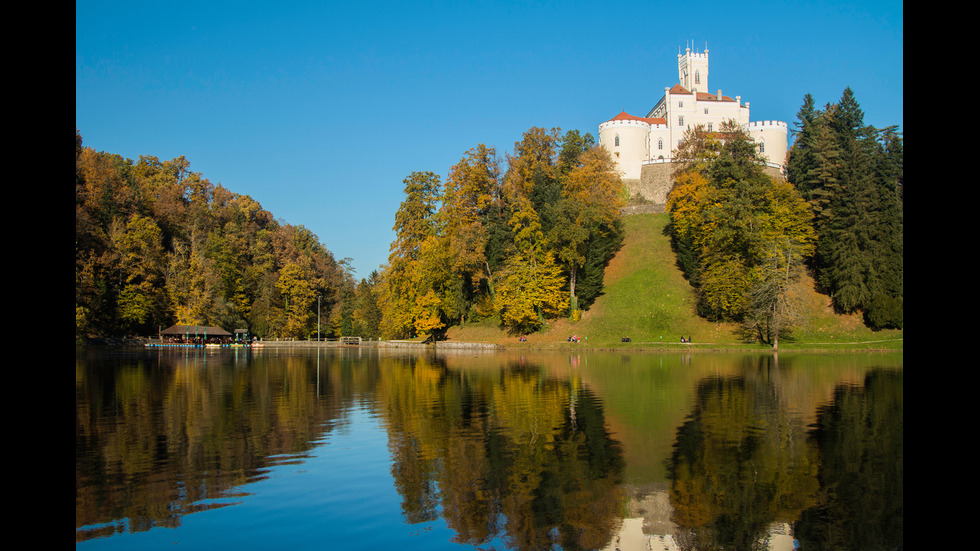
319 110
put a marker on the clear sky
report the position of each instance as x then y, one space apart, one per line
319 110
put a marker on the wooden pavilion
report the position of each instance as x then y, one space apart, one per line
189 332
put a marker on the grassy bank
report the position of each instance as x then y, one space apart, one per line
647 299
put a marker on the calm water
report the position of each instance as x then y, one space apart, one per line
361 449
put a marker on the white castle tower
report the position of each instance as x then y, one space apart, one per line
640 144
692 70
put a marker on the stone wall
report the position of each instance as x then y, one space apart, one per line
655 184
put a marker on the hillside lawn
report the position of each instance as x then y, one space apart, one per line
647 299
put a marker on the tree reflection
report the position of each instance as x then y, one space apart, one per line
741 463
513 455
861 444
161 436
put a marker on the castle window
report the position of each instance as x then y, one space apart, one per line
660 143
680 121
762 147
697 77
680 104
711 127
617 140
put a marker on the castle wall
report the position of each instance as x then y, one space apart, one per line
655 183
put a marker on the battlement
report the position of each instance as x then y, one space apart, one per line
631 122
646 144
766 125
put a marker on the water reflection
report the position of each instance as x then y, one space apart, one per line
515 454
861 446
741 464
545 451
161 435
743 470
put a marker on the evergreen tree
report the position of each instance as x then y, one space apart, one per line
852 176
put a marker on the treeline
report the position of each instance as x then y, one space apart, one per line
525 238
743 238
852 175
158 244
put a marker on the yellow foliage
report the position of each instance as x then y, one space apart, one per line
692 194
529 291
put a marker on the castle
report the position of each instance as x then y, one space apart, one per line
641 146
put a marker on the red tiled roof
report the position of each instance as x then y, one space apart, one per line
624 116
702 96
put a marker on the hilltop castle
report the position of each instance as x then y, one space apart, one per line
641 146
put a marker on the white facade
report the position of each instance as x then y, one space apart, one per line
634 141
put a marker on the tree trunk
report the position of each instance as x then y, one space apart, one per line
573 301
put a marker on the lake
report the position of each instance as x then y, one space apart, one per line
366 448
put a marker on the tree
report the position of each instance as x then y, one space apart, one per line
410 274
589 208
367 313
696 151
141 265
531 286
852 176
735 230
297 287
534 160
472 194
787 229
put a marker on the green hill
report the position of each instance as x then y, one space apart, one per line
647 299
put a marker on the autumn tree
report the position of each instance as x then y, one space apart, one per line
531 287
409 300
157 243
141 260
471 199
789 238
588 211
299 296
729 221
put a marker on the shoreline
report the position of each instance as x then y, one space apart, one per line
879 346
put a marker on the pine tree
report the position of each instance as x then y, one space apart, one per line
851 175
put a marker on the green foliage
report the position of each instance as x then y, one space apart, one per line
741 238
503 242
853 175
157 244
728 221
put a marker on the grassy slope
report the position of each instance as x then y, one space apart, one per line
647 298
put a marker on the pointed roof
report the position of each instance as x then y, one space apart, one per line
702 96
624 116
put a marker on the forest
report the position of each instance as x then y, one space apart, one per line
744 240
524 238
521 238
158 244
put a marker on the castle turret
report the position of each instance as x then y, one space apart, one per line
627 138
692 70
771 139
